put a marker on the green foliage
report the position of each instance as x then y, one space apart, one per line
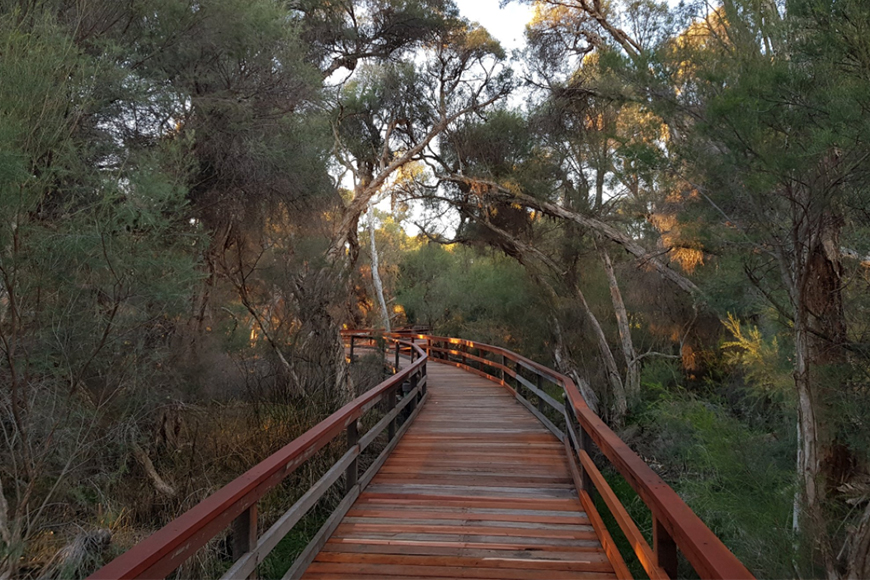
739 480
766 369
478 295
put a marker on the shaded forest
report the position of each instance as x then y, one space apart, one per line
669 204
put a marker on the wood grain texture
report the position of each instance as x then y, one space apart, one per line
477 488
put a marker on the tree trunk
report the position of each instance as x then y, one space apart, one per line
376 276
820 336
565 364
617 390
632 365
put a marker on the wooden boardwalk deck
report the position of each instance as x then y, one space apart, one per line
477 488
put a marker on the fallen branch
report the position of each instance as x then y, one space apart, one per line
161 486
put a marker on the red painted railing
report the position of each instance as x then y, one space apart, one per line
675 525
236 504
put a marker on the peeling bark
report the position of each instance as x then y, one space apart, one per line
632 364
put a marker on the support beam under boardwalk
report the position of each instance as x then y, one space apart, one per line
477 488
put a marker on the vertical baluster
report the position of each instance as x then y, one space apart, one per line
413 404
586 445
245 533
665 548
540 386
424 373
391 404
352 471
351 347
397 356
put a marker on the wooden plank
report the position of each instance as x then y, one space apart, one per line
440 527
423 549
388 570
439 524
503 562
477 542
567 504
574 515
562 518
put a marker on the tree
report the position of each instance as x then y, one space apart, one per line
763 108
97 264
391 114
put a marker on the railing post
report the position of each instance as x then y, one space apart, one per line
665 548
391 404
540 386
245 533
406 388
425 374
583 441
353 469
586 445
397 356
413 404
464 351
501 370
351 347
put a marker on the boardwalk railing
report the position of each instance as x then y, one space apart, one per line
236 504
675 526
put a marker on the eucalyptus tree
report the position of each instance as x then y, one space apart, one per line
390 115
780 153
765 106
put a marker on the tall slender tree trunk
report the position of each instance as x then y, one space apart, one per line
617 389
632 365
376 275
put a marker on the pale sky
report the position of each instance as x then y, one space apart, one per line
507 24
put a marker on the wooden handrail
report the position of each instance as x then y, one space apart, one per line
168 548
675 524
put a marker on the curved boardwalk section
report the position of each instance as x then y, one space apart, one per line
477 488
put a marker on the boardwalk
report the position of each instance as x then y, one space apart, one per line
472 485
477 488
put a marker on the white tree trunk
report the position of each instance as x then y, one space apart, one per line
376 276
617 389
632 365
